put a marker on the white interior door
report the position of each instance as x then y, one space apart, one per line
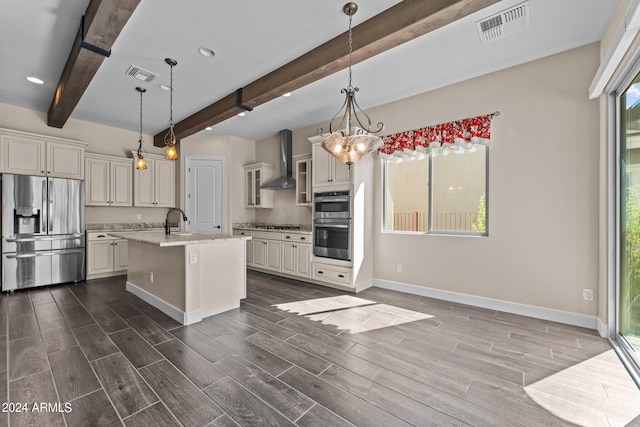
205 194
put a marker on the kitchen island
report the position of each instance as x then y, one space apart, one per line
188 276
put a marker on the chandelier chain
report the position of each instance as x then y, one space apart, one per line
350 50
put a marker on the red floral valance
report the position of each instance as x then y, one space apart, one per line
457 135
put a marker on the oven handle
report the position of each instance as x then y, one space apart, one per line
332 225
331 199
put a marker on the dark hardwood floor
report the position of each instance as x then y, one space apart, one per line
116 360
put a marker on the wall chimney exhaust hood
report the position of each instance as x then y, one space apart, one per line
285 181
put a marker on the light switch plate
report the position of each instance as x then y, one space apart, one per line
193 258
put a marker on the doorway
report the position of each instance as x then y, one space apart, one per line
627 333
205 194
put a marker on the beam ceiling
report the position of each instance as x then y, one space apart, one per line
401 23
102 23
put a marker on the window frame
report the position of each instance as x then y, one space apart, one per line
430 230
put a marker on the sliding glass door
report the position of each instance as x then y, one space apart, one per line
628 293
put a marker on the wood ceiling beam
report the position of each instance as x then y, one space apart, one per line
103 21
401 23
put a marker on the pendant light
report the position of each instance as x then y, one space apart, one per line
346 144
170 138
140 162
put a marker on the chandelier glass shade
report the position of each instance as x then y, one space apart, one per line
349 144
140 162
170 138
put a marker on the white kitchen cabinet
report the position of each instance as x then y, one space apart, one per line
31 154
259 255
266 250
106 255
296 256
108 181
249 254
274 257
327 170
303 180
155 186
255 176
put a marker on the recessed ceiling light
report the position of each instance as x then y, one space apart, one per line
208 128
287 94
164 87
205 51
242 114
35 80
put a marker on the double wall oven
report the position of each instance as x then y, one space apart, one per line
332 225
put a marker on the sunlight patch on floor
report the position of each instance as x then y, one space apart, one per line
367 318
351 313
596 392
320 305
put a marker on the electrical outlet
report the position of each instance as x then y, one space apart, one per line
151 277
139 216
193 258
587 294
399 268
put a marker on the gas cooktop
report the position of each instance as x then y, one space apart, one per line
278 227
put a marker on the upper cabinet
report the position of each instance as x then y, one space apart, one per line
255 175
303 180
108 181
30 154
155 186
327 170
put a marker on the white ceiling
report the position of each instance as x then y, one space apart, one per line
252 38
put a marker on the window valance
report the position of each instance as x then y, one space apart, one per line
454 136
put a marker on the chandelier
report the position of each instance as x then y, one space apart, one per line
140 162
350 144
170 138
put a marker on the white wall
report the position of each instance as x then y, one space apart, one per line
543 187
102 140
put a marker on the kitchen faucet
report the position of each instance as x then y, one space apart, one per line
167 228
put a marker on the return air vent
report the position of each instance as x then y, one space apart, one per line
506 22
140 73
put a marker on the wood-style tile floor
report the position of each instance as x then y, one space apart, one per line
381 359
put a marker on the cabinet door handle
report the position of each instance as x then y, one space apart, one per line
303 238
341 275
287 237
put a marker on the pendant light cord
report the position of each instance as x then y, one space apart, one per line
171 96
140 117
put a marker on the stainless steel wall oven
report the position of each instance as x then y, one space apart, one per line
332 225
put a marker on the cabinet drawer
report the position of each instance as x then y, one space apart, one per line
331 274
296 238
242 232
99 236
269 235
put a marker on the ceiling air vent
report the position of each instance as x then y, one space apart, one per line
140 73
506 22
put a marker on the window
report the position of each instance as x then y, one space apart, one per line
440 192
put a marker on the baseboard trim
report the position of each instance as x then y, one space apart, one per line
186 318
559 316
603 328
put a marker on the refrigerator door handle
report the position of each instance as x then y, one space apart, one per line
31 255
44 215
52 202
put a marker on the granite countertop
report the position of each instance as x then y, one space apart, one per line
133 226
159 238
276 228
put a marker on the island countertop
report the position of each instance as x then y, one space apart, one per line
159 238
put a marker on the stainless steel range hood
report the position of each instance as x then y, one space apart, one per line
285 181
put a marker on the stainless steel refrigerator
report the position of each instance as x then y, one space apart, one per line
43 240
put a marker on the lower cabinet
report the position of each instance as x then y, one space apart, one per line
106 256
266 251
296 259
279 252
